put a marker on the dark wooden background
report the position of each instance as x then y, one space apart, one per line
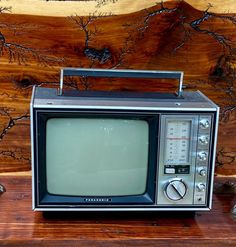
169 36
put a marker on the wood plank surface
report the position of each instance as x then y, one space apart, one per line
173 35
19 226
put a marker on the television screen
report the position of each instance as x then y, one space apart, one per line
96 156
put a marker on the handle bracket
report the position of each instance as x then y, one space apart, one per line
152 74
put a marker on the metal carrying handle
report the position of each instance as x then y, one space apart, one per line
152 74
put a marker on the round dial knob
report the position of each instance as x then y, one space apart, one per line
202 156
201 187
203 140
175 189
204 124
202 172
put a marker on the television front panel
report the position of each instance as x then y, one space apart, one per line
122 152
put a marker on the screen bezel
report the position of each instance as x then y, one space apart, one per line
43 198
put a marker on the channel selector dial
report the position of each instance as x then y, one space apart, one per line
176 189
202 156
204 124
202 172
201 187
203 140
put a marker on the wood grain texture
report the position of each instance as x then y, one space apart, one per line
86 7
169 36
19 226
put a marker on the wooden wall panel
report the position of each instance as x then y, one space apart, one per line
174 35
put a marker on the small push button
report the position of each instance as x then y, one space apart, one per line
169 170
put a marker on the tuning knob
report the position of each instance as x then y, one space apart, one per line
201 187
202 172
204 124
202 156
176 189
203 140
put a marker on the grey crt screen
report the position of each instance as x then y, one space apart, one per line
96 156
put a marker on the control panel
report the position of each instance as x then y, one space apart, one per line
184 159
202 161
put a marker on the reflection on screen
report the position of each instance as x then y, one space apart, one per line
96 157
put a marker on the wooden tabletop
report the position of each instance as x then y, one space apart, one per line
20 226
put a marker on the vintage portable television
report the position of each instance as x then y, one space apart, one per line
122 151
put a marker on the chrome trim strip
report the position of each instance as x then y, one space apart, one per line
181 84
32 145
61 82
123 108
214 157
122 209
